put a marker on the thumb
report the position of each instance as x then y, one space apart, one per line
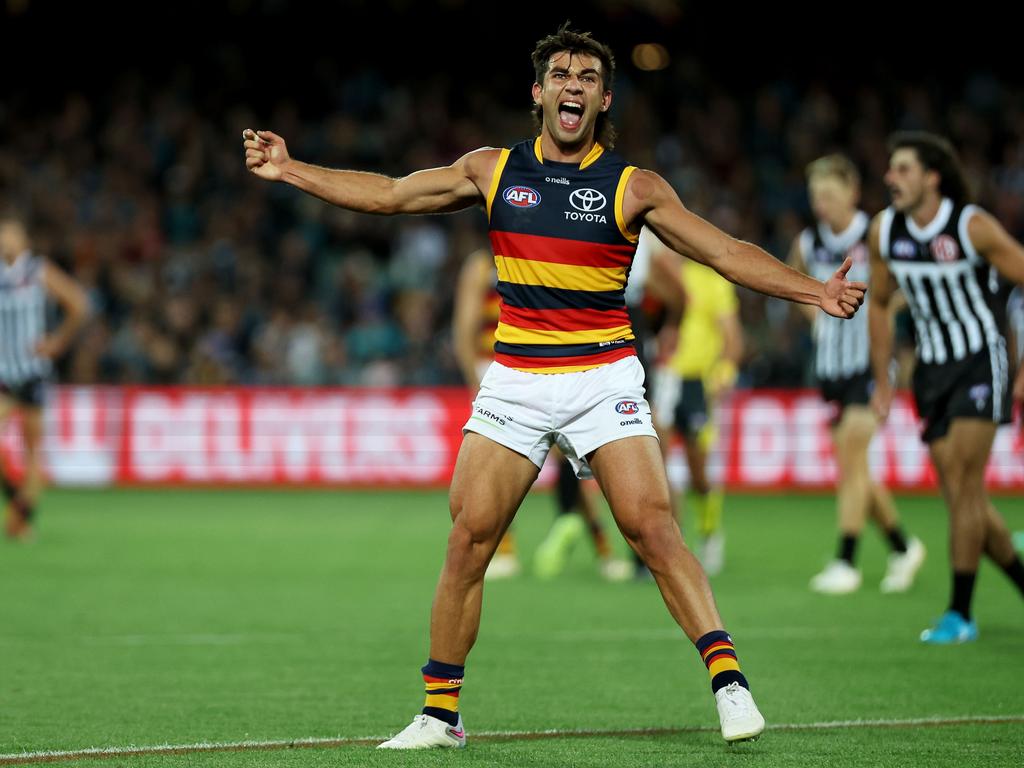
270 137
841 272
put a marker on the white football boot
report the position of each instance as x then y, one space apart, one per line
738 714
838 578
426 732
903 567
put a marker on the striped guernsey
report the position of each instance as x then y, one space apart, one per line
563 255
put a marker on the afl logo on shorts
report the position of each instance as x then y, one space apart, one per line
945 249
627 407
521 197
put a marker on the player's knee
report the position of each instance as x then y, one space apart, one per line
655 538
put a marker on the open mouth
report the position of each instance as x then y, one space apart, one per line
570 113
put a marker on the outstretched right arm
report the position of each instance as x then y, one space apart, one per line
439 190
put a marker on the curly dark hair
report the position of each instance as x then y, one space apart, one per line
574 41
936 154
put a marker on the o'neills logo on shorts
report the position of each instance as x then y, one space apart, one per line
627 407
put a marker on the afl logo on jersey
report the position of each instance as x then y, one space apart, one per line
904 249
945 249
521 197
627 407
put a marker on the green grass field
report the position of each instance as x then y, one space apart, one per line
184 617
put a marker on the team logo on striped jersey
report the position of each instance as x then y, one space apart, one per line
979 393
945 249
627 407
521 197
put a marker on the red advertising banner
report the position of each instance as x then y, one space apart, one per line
767 439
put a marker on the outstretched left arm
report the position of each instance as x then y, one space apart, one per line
650 200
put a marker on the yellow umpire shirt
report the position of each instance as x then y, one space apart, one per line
709 297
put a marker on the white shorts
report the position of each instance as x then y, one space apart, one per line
580 412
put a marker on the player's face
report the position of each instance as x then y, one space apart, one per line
12 240
908 180
832 199
572 96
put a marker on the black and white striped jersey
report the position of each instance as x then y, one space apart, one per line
841 346
22 319
956 298
1015 313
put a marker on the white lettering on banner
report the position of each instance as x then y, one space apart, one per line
225 452
167 437
82 431
763 440
358 436
812 460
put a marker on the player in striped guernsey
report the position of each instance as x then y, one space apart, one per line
565 214
844 373
952 261
26 355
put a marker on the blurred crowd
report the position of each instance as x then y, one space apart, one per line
200 273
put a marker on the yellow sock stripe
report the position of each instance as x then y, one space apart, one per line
451 703
723 665
439 686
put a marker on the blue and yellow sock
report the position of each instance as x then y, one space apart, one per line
719 657
443 683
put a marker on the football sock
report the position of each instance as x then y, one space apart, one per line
963 589
443 683
567 488
507 545
847 548
719 657
897 540
1015 570
708 507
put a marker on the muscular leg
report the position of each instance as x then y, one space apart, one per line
632 475
487 488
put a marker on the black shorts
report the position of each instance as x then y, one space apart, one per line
691 412
840 393
965 389
31 392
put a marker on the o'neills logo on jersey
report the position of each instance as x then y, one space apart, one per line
587 203
945 249
521 197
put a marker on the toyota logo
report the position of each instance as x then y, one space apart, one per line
587 200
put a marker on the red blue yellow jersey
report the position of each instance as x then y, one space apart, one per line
563 255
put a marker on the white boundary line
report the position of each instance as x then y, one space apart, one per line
52 756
